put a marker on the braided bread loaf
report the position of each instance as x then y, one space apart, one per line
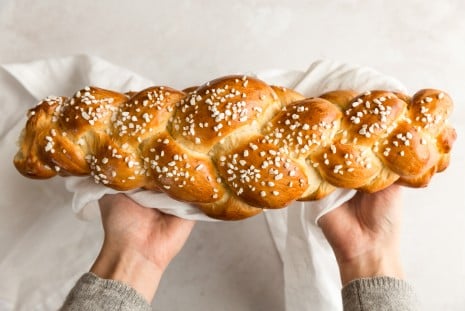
237 145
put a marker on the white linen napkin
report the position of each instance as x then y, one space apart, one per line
310 273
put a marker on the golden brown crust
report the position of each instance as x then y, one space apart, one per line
190 89
341 98
430 109
406 142
89 109
417 181
286 96
304 126
230 208
183 174
145 114
115 166
218 108
235 146
371 115
346 166
36 137
261 175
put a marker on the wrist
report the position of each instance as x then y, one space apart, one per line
371 264
128 266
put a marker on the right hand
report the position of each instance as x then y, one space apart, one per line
364 234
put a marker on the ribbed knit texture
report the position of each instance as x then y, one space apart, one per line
380 294
96 294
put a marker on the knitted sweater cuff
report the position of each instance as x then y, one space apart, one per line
94 293
379 293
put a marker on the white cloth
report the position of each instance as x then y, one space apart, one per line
311 276
310 273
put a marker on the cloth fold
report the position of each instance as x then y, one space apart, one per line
310 274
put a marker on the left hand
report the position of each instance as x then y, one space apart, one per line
139 243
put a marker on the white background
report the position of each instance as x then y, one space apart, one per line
234 266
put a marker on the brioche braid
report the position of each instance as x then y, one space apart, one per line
236 145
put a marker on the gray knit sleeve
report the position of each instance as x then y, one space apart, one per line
96 294
380 294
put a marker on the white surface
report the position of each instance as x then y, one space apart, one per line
182 43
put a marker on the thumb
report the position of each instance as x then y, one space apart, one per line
334 216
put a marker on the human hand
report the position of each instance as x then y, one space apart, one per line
139 243
364 234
